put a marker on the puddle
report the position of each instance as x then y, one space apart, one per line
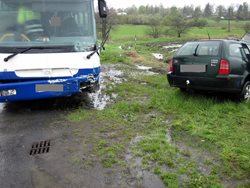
168 136
199 156
1 107
158 56
144 71
145 178
141 67
108 77
172 47
168 132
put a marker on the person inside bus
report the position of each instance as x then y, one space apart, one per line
29 22
69 26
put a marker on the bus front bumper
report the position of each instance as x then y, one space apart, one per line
40 89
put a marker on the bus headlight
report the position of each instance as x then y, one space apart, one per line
8 92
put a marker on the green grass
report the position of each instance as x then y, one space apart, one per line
215 29
221 128
207 132
224 23
215 32
113 54
128 31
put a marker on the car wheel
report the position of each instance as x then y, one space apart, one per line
245 92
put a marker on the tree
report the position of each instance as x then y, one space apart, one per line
142 10
178 23
103 23
220 11
154 23
247 27
188 11
132 10
197 12
240 13
245 11
197 22
208 11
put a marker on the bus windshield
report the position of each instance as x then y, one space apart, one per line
28 23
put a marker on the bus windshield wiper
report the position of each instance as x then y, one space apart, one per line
101 46
22 51
195 51
30 48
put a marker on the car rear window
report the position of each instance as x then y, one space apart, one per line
209 48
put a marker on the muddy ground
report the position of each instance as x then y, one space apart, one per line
67 162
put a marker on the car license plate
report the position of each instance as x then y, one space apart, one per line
193 68
49 87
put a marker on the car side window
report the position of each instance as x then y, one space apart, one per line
246 50
234 50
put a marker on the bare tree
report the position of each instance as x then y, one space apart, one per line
178 23
154 23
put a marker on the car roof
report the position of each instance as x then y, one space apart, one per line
220 40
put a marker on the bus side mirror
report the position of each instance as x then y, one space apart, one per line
102 6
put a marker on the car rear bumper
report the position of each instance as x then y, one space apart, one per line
231 83
41 89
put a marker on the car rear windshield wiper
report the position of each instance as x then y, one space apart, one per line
30 48
195 51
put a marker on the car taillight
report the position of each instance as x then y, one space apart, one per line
171 66
224 67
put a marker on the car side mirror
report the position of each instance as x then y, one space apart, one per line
102 7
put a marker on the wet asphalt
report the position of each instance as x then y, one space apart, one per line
21 125
24 123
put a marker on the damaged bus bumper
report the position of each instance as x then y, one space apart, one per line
40 89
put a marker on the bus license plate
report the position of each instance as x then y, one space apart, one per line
49 87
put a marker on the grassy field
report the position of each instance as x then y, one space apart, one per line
188 140
215 29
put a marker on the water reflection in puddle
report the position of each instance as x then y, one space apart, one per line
1 107
108 77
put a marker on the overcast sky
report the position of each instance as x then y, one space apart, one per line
169 3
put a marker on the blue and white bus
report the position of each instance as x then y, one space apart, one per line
45 48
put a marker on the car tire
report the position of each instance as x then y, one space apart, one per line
245 92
